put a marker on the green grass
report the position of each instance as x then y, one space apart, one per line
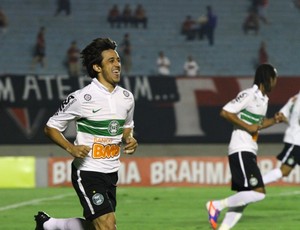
153 208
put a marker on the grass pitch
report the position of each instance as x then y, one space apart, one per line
153 208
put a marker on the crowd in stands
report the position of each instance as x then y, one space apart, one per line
200 27
127 17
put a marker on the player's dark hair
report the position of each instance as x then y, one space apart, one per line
92 54
263 75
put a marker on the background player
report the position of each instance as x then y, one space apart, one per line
247 113
290 155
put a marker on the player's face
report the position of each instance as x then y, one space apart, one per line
111 68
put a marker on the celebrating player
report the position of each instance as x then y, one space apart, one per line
103 112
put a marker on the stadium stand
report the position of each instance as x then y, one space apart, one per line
232 54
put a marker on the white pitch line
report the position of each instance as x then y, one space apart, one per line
35 201
284 194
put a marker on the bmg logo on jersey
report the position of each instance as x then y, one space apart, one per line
113 127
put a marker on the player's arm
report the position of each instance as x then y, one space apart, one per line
130 143
235 120
58 138
278 118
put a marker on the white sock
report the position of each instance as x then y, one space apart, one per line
272 176
239 199
232 216
67 224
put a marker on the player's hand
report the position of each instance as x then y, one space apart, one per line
279 117
79 151
254 128
130 145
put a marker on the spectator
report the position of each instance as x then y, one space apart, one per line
126 54
3 22
251 23
297 3
210 25
163 64
188 28
140 16
73 60
114 16
63 5
190 67
39 53
263 54
201 26
127 15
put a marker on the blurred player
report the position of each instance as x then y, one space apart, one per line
290 155
247 114
103 112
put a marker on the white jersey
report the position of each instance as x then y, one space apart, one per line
100 118
191 68
291 111
250 105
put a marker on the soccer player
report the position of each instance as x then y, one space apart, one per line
290 155
247 114
103 112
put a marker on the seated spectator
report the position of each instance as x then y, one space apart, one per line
127 15
114 16
39 52
73 60
189 28
3 22
140 16
251 23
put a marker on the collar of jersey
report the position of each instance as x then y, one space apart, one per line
102 87
255 87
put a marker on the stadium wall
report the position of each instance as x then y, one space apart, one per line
168 109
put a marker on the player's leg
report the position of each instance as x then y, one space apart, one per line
45 222
105 222
247 180
289 156
97 195
232 216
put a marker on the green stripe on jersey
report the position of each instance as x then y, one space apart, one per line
251 117
102 128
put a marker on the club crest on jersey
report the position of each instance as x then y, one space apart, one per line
98 199
113 127
126 94
87 97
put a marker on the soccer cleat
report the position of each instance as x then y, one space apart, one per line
40 219
213 215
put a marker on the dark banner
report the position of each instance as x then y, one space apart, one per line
168 109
